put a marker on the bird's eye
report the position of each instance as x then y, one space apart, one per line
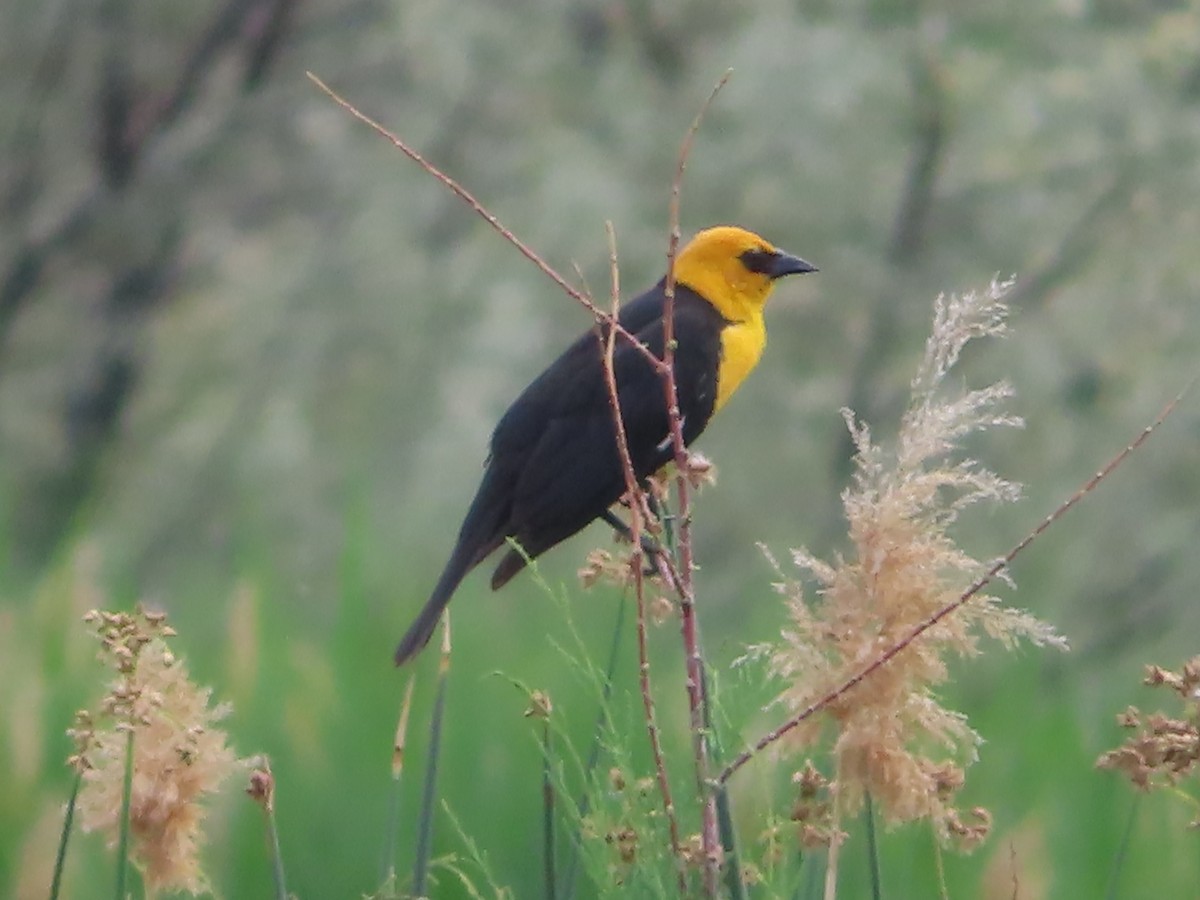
758 260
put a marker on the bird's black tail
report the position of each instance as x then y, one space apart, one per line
421 630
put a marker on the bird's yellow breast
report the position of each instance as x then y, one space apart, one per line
741 348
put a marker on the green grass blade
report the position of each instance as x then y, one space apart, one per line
1122 849
60 858
391 836
593 758
872 848
812 866
548 850
429 792
733 866
277 874
126 801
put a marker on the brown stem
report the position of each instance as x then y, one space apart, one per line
637 513
949 609
689 626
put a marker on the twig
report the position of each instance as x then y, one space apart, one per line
697 700
1016 874
459 191
638 512
949 609
581 297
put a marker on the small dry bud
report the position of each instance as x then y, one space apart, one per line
593 568
82 734
625 840
1156 675
969 834
540 706
616 779
817 837
1131 718
604 566
1191 675
691 850
701 470
262 785
948 779
810 781
661 609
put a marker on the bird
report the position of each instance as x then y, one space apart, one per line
554 465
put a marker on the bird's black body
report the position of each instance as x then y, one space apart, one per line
554 465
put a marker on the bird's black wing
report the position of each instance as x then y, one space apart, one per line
554 465
556 447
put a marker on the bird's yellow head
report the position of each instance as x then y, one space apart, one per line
734 270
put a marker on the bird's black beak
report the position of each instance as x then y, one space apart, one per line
785 264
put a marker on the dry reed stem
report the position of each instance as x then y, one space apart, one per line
697 702
637 513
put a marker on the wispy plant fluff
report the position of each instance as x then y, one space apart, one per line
179 754
892 736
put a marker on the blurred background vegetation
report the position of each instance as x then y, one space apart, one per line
250 357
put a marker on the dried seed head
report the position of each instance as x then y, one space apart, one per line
262 784
179 754
616 779
1163 749
903 569
540 706
625 841
661 609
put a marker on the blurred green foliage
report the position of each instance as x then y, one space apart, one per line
250 357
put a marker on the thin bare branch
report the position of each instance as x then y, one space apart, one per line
576 294
638 513
949 609
459 191
697 701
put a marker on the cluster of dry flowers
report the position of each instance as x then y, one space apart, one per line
892 738
616 569
1164 749
179 755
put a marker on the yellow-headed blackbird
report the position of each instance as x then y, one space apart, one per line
554 465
